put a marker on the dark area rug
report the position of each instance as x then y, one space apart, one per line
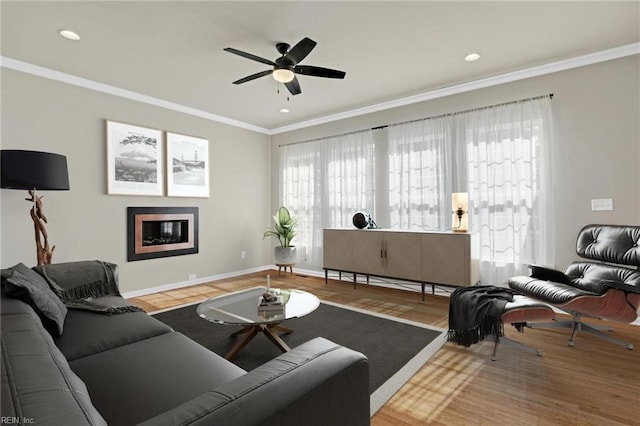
388 344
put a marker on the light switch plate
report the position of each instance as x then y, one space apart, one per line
602 204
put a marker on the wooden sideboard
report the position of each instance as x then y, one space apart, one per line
445 258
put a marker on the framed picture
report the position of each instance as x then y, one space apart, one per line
187 166
134 160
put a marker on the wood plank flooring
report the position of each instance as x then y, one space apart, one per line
594 383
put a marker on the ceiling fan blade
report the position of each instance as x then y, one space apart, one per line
249 56
294 86
300 51
253 76
318 71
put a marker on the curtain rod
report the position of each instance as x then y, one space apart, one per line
384 126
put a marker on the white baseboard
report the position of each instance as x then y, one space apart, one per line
201 280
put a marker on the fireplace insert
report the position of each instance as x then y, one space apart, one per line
154 232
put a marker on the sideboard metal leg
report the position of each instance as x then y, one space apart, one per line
326 277
422 285
355 278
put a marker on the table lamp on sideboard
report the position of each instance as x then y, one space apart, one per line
460 207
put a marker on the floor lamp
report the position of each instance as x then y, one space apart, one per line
35 171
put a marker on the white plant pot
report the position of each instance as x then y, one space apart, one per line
284 255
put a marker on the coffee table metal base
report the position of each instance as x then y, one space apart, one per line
269 330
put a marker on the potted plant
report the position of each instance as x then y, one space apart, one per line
284 231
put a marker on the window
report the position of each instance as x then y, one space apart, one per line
419 164
496 154
324 183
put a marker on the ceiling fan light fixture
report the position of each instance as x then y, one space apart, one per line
283 75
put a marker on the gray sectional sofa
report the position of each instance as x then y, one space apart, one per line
121 366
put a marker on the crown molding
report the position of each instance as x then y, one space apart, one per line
28 68
579 61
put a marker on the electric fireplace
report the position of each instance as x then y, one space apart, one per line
154 232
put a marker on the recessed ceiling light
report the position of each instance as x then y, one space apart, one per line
70 35
472 57
284 110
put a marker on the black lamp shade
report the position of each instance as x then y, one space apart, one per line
22 169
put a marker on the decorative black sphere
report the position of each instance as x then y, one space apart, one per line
360 220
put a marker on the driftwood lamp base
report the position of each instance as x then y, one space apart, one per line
44 252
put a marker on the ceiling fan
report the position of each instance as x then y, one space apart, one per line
286 66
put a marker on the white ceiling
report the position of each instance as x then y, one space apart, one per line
173 51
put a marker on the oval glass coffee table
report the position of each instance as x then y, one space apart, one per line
243 308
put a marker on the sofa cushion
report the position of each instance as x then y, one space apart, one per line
138 381
22 282
37 383
87 333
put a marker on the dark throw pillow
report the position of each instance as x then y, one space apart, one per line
26 284
548 274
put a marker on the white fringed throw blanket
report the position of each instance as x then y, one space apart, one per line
476 312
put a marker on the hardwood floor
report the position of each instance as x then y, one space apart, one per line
594 383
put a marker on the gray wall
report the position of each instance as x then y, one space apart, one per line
86 223
596 155
596 149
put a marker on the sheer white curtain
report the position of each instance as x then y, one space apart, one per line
301 174
420 174
509 185
499 155
324 182
350 178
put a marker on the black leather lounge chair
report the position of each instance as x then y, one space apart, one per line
605 289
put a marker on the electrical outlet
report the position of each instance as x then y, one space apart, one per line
243 254
192 276
602 204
